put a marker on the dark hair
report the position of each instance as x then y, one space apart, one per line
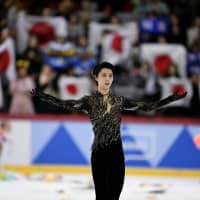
100 66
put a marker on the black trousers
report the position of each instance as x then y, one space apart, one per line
108 170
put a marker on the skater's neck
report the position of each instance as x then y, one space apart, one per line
103 91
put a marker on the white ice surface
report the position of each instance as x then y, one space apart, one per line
79 187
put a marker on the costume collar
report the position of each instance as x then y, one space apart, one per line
97 93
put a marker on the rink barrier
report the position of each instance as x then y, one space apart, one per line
153 145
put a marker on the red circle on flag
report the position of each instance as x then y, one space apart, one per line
179 89
44 32
4 61
162 63
72 89
117 43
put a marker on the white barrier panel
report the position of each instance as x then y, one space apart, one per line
16 148
151 145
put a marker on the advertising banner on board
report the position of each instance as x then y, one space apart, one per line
151 145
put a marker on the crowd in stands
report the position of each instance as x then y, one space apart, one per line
54 45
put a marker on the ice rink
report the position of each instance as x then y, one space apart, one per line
80 187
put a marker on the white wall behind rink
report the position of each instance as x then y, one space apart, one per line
16 150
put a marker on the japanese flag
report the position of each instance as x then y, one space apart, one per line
7 63
160 56
128 30
115 48
45 28
74 87
7 59
170 85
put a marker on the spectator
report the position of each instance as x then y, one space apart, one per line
114 20
65 9
172 71
88 6
3 19
115 5
123 84
46 12
158 7
145 80
4 94
21 103
195 100
75 28
46 82
193 58
107 10
152 26
144 8
86 58
157 24
193 33
177 32
85 19
59 54
151 85
140 8
34 55
162 39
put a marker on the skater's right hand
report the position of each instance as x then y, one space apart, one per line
36 93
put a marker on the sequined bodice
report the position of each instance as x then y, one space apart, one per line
104 112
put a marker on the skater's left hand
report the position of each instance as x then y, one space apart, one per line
37 93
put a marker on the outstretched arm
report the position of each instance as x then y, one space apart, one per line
145 106
65 105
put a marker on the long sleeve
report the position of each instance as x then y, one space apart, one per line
65 105
149 106
133 105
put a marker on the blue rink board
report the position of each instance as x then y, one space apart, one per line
145 145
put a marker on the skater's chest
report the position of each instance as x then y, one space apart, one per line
105 106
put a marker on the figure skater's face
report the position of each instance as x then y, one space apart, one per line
104 78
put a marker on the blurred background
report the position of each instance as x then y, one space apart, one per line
54 45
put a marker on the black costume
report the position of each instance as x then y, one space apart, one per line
107 158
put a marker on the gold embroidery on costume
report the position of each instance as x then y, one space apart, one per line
106 100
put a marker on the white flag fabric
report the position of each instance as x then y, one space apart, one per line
115 48
7 59
46 27
7 63
127 30
160 56
170 85
74 87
